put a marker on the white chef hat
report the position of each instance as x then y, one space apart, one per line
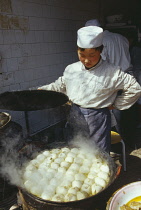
93 22
89 37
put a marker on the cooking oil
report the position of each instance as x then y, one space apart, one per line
136 199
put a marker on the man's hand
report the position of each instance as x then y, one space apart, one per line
111 107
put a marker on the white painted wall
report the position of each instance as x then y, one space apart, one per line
37 41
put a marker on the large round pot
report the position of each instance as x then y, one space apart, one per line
32 202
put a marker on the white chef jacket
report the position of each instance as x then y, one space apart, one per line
116 50
97 87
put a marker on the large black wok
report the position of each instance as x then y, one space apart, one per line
31 100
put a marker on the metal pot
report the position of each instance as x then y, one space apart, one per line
4 119
114 18
32 202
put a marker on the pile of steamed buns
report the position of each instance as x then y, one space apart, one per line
66 174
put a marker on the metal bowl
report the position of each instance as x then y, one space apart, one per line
123 195
4 119
114 18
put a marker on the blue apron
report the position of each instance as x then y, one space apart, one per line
93 124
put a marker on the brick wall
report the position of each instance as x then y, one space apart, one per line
37 41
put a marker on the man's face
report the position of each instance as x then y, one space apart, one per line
89 57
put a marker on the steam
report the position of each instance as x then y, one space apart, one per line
88 146
12 165
9 162
12 160
85 144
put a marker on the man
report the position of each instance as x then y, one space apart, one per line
92 85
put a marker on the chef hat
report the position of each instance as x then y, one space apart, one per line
89 37
93 22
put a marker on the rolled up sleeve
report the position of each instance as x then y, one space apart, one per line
58 85
131 91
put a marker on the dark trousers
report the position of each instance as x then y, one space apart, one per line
127 121
92 124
